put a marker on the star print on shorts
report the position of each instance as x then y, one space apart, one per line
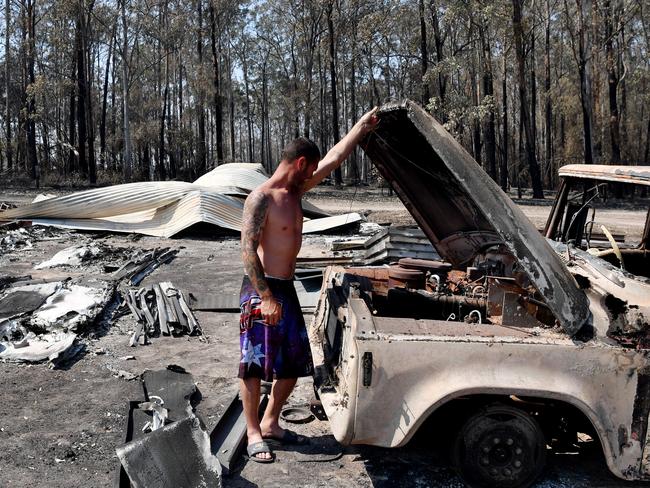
251 354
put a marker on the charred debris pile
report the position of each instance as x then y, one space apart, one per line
159 310
41 318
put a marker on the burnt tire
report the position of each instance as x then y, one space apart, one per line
500 446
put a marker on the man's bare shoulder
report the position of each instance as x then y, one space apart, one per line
257 198
254 217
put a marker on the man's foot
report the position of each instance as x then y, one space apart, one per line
260 452
286 436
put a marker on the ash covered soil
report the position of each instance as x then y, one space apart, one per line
60 427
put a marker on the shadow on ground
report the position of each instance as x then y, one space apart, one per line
420 465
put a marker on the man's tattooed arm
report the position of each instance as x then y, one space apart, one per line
255 210
254 217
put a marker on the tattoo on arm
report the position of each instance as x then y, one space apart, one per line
255 210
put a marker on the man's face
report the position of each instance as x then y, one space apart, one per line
307 168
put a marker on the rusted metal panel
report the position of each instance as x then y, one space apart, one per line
177 454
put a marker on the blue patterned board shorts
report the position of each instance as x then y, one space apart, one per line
280 351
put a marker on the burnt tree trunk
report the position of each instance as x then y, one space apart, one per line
533 167
201 165
439 41
426 95
316 14
162 174
354 159
321 99
216 71
90 133
548 110
612 83
249 120
338 177
488 91
503 170
9 143
32 157
231 95
265 113
533 92
126 116
81 92
622 116
102 122
584 51
476 125
72 114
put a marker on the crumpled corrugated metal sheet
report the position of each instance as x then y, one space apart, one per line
244 176
162 208
166 220
105 202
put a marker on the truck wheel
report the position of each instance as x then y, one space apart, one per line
500 446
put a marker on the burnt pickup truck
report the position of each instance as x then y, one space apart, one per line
523 340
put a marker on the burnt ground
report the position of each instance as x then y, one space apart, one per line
60 427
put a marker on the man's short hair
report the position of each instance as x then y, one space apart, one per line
301 147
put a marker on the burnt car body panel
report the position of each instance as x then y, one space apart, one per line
461 209
419 365
382 368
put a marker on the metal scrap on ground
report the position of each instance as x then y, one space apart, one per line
393 243
177 452
160 309
228 437
143 263
385 245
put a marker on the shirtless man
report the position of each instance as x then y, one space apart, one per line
273 337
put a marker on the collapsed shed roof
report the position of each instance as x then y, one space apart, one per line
164 208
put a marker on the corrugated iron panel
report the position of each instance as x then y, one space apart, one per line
245 176
104 202
197 206
220 210
328 223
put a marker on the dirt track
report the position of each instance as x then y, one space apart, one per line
61 427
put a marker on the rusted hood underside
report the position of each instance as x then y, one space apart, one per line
461 209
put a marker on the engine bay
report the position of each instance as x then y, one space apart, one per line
492 290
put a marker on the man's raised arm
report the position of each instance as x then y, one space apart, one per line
343 148
255 209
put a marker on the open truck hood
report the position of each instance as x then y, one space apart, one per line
461 209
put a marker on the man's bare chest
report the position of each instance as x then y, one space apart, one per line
284 215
